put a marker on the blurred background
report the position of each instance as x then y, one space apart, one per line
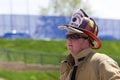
31 42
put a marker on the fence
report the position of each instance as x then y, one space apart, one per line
7 55
26 57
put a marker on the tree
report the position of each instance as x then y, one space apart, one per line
64 7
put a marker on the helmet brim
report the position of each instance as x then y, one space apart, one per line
96 41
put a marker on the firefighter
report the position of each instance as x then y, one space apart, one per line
83 63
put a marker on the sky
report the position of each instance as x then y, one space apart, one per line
100 8
22 6
105 8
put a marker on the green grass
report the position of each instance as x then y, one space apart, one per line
34 45
54 46
29 75
110 48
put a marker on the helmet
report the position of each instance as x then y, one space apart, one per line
81 23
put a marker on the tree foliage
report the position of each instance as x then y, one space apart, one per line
64 7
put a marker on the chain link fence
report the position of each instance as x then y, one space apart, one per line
7 55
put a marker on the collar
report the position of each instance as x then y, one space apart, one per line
82 55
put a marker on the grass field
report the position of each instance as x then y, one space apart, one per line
110 48
54 46
29 75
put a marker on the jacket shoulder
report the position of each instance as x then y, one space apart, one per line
101 58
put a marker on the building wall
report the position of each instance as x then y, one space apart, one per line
46 27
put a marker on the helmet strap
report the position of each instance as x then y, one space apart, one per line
90 41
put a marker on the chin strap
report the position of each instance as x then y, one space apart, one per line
90 41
